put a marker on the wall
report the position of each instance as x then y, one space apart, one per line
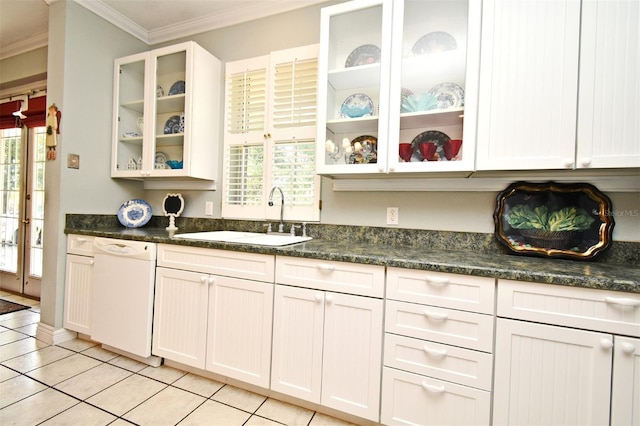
23 66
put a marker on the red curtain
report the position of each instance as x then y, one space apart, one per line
36 114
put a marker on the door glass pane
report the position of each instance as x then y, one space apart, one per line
10 152
37 202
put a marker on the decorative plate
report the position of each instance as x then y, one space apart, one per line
562 220
363 55
177 88
365 150
357 105
448 95
438 139
434 42
422 102
172 125
134 213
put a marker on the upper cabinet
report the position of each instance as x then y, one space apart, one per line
549 68
166 114
397 86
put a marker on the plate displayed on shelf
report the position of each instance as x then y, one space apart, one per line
177 88
363 55
429 145
365 150
448 95
552 219
434 42
423 102
172 125
404 94
161 157
134 213
357 105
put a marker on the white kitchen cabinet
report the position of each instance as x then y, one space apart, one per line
269 139
549 67
564 355
166 108
625 387
213 311
438 348
402 49
78 284
327 346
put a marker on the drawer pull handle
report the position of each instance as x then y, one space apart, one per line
440 353
628 348
318 297
624 301
435 316
432 388
326 267
439 282
204 279
91 262
211 279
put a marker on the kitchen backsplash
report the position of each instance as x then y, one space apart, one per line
620 252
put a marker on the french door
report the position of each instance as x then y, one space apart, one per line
22 167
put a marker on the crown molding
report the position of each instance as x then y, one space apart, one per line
116 18
26 45
220 20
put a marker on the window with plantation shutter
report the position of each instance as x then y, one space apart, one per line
270 112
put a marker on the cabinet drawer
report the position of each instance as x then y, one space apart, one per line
450 363
464 292
412 399
586 308
342 277
458 328
252 266
80 244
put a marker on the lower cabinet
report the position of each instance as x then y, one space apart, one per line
327 346
580 368
78 286
215 322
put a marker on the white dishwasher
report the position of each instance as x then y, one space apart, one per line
123 287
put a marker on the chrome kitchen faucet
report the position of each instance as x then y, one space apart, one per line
281 226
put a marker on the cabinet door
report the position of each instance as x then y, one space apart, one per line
130 112
352 355
434 74
551 375
296 367
180 316
78 293
609 99
411 399
528 84
353 87
239 329
625 398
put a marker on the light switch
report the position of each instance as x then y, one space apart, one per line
73 161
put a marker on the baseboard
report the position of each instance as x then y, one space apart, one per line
53 336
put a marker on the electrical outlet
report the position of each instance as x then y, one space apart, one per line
392 215
208 208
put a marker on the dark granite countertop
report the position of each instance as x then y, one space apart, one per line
389 248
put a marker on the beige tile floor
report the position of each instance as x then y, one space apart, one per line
79 383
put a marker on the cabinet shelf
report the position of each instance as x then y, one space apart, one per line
362 76
174 103
137 105
353 125
433 118
171 139
132 140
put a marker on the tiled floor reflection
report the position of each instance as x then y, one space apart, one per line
79 383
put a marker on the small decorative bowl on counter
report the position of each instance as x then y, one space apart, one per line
174 164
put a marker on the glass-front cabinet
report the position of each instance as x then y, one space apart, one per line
166 110
398 86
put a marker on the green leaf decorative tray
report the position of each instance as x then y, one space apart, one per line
561 220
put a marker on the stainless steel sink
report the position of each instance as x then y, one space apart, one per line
239 237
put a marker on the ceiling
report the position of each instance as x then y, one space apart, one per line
24 23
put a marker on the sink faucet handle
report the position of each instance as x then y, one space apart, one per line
268 226
293 229
304 229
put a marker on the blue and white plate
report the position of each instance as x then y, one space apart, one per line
172 125
134 213
448 95
357 105
177 88
366 54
